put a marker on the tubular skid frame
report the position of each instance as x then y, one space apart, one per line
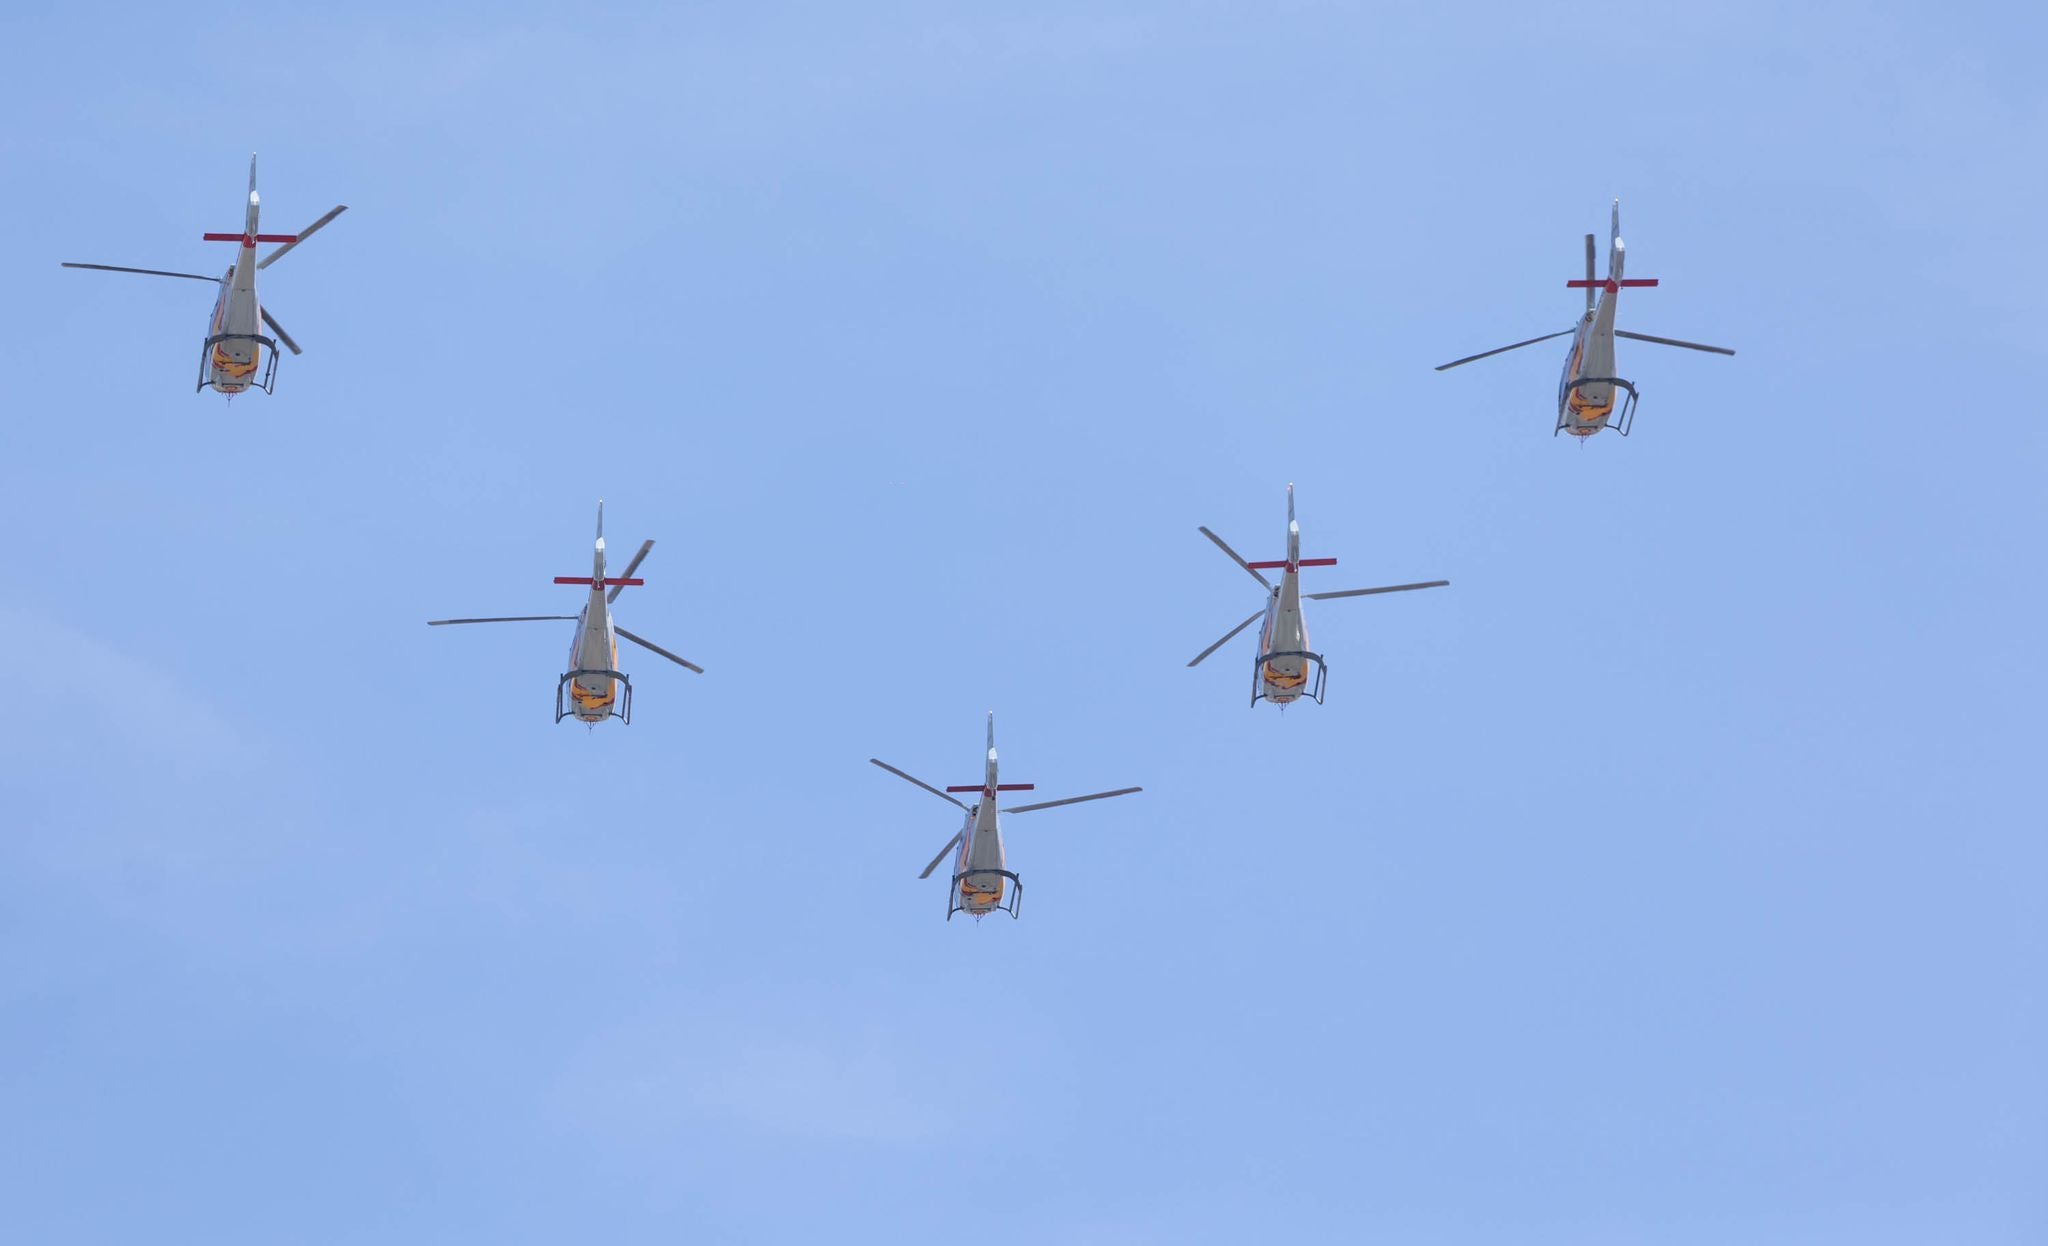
621 707
1619 420
1010 905
1314 688
269 382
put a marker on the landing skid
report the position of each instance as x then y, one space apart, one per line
269 382
1620 421
1313 688
1016 894
622 704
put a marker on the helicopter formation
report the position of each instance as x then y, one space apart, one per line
1591 398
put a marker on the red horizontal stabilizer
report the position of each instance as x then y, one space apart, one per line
572 579
1016 787
1275 565
584 579
223 237
963 787
1610 286
277 237
1317 562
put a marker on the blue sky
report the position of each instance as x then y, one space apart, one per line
1673 876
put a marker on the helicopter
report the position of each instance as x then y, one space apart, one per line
594 689
1285 670
1586 389
232 354
981 882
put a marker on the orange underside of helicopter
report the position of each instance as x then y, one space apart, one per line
1280 679
974 895
222 362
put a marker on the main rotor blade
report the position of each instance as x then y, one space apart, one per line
147 272
1073 800
278 329
921 783
1367 592
1672 341
1224 546
942 852
1503 349
1227 638
303 234
648 644
515 618
631 567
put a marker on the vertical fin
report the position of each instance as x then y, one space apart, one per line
251 209
989 775
1293 532
1617 254
1589 272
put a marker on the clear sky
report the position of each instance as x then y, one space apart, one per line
1674 876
